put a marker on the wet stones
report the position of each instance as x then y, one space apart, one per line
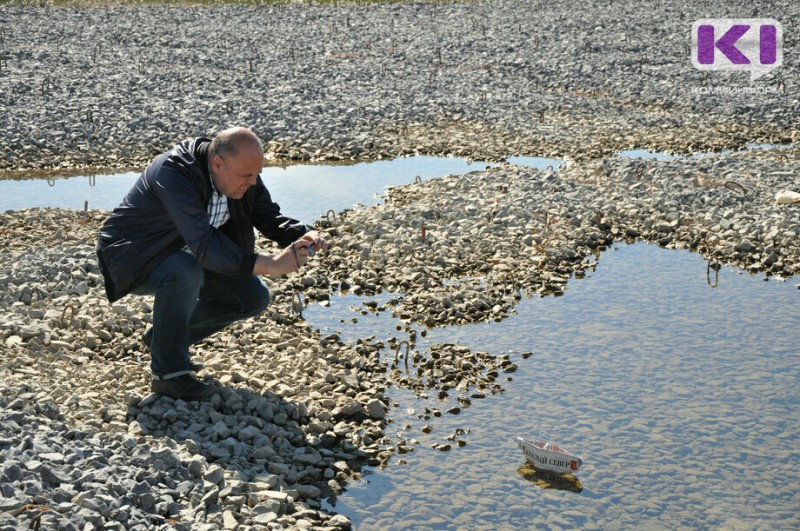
452 367
543 229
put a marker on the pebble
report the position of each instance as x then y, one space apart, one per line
493 235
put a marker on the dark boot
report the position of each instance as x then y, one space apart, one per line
186 387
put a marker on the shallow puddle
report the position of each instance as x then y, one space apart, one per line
646 154
681 398
304 191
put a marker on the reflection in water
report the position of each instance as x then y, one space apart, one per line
549 480
95 191
712 264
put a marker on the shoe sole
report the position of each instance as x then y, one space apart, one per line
207 393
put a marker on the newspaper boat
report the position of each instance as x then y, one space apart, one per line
548 456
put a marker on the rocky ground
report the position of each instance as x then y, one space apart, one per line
83 437
112 86
512 230
83 444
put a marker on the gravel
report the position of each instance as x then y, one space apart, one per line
112 86
465 248
84 442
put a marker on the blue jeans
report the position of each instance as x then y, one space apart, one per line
192 303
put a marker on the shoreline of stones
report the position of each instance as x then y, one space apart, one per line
466 248
84 443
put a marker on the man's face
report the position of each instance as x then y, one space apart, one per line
234 174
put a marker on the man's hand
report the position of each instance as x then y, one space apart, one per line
318 243
292 258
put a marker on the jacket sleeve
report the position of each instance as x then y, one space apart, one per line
269 221
182 198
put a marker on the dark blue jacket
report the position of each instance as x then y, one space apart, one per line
167 209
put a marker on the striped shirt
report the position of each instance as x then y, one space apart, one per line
218 213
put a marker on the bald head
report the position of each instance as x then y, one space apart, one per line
231 141
235 158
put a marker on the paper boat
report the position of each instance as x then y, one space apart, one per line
548 456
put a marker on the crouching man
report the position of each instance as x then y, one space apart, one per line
184 233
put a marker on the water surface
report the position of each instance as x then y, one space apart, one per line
304 191
681 398
656 155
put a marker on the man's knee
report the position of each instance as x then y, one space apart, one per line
242 295
257 297
177 273
193 275
261 297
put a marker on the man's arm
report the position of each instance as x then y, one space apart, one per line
269 221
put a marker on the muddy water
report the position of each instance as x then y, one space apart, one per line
681 398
